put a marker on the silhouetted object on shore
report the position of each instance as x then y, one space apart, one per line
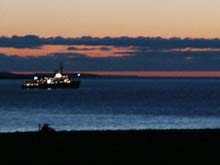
45 128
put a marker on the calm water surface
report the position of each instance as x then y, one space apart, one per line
112 104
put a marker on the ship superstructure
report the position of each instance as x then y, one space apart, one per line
59 80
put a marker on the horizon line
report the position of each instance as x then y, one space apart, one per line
136 73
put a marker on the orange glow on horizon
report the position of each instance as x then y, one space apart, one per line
161 73
90 51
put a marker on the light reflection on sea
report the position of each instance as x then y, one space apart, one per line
112 104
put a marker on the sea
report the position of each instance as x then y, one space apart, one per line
113 104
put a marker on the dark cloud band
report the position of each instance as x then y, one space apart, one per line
32 41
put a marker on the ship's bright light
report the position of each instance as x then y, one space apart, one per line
35 78
78 75
49 81
58 75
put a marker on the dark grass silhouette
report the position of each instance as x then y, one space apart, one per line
110 147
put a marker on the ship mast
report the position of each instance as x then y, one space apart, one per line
61 68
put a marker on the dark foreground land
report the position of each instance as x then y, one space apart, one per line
111 147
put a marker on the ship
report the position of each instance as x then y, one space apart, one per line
58 80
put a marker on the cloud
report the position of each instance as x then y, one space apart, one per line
157 61
29 41
136 54
102 48
105 48
33 41
73 48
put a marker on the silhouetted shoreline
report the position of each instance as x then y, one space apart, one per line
9 75
111 147
28 76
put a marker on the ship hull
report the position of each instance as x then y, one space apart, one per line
74 84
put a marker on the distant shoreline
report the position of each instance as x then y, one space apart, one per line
29 75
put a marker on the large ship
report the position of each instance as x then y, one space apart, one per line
59 80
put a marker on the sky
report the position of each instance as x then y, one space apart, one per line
75 18
124 55
175 35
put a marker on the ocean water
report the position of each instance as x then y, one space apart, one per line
113 104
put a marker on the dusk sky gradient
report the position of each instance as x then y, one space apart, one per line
75 18
176 36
